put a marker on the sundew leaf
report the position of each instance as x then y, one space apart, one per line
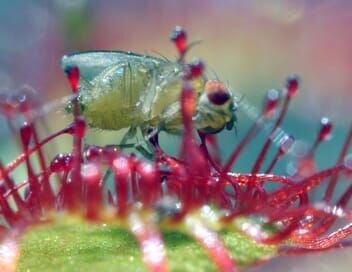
73 245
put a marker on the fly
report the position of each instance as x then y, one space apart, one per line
127 90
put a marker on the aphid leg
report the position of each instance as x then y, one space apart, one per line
150 136
132 131
148 140
145 152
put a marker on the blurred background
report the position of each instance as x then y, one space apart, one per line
251 44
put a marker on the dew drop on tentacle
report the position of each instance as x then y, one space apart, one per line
195 69
292 85
271 101
348 163
73 75
93 153
325 129
26 132
61 162
286 144
179 37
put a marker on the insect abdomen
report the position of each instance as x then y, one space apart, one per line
114 101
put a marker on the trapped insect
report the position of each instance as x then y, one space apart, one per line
127 90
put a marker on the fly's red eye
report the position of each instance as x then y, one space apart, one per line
217 92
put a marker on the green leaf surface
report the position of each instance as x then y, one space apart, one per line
79 246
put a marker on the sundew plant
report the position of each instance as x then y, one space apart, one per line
190 212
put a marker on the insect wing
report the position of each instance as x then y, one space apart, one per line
92 63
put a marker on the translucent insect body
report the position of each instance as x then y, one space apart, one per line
123 89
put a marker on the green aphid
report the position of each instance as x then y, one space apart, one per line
127 90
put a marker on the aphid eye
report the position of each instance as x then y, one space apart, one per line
216 92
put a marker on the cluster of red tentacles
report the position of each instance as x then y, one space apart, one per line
168 191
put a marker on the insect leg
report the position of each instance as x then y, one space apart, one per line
132 131
120 146
151 136
150 139
145 152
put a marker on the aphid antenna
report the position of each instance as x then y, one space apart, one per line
192 44
159 54
215 74
189 46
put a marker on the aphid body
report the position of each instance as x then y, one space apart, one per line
122 89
